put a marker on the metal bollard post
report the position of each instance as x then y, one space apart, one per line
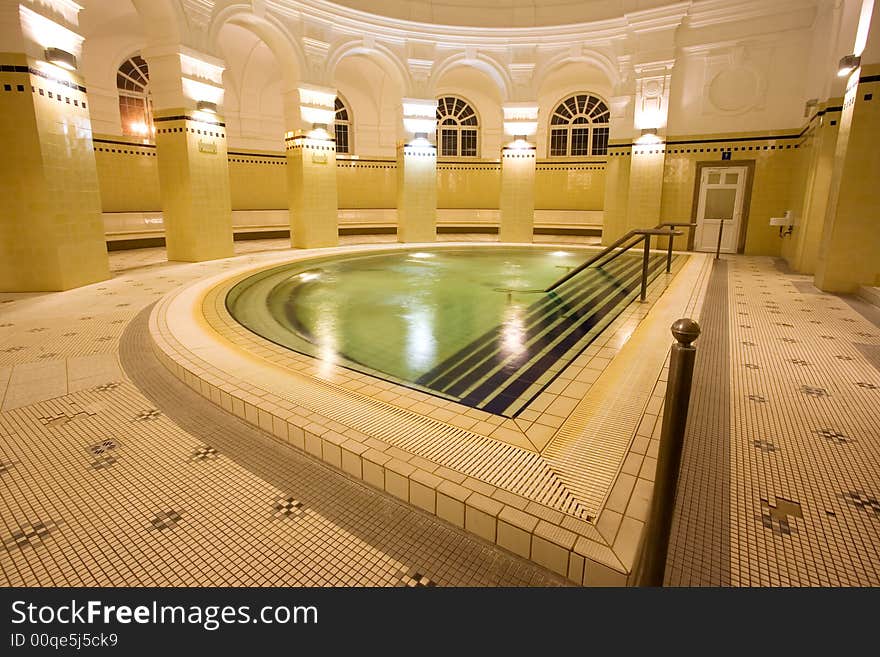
675 413
720 232
645 260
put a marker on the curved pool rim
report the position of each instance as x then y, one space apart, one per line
331 416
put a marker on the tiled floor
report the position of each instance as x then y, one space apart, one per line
112 478
108 482
456 464
780 483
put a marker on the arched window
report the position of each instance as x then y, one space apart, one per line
343 127
457 128
579 126
135 105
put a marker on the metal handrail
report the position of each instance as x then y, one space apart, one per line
674 224
640 235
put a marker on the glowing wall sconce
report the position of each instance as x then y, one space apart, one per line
848 64
61 58
809 105
648 136
206 106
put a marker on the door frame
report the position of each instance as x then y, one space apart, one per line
746 203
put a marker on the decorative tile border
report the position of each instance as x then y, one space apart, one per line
392 439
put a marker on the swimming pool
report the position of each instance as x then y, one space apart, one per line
470 324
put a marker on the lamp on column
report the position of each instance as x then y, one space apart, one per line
848 64
206 106
520 122
419 119
61 58
649 136
317 107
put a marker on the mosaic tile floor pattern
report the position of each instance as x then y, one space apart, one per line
803 459
103 485
100 485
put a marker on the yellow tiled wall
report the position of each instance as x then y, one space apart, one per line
466 184
570 185
366 183
128 174
51 232
631 184
257 181
790 173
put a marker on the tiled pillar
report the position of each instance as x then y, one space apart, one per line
518 159
803 251
517 203
311 171
645 185
417 173
617 171
849 255
191 154
634 173
51 230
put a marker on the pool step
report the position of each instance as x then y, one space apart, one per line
506 367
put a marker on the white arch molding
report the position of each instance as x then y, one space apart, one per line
496 72
273 33
383 56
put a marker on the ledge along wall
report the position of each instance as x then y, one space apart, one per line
788 169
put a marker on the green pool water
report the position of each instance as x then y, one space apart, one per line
450 321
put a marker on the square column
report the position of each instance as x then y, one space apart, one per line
645 184
802 251
417 173
416 192
194 185
849 255
311 176
517 203
191 153
617 172
51 230
311 170
518 159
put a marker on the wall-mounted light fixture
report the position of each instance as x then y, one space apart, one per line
848 64
648 136
206 106
61 58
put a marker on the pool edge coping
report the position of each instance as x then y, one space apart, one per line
601 553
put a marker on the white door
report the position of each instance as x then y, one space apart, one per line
721 199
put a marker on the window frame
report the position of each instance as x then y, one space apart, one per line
142 95
579 118
347 123
456 127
